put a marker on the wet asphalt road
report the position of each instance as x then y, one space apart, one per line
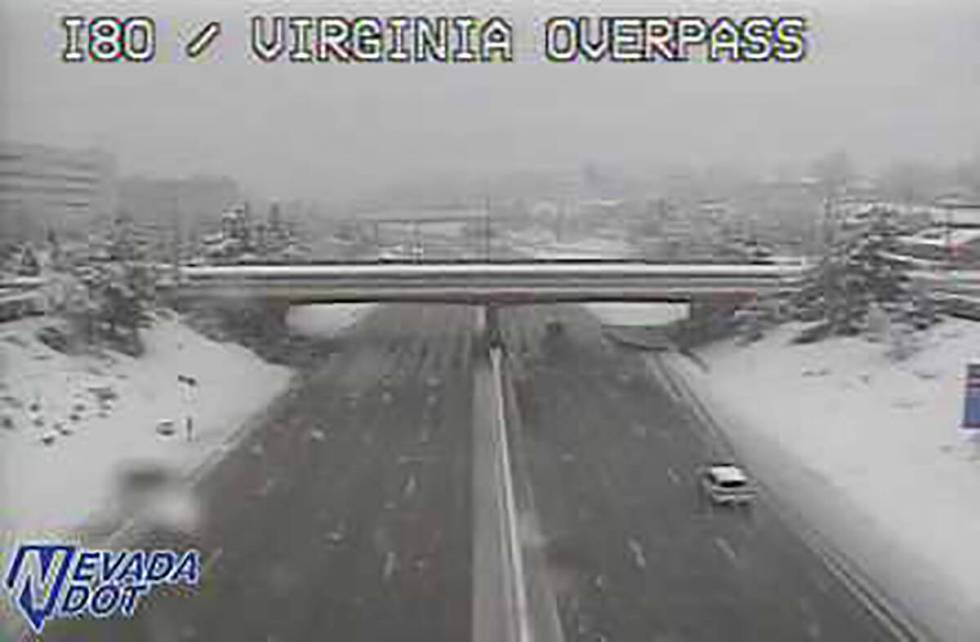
348 515
631 549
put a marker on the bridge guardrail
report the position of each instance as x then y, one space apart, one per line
21 283
527 281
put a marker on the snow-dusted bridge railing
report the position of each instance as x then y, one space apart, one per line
21 296
961 282
12 284
514 282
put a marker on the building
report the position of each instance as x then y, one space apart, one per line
953 239
184 207
940 247
44 188
956 212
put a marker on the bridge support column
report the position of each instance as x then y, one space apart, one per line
698 311
708 318
272 315
493 334
715 307
253 318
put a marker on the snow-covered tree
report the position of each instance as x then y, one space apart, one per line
114 289
56 257
883 278
27 263
79 309
241 239
833 171
231 241
858 275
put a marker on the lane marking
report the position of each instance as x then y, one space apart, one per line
862 588
726 548
666 384
389 565
410 486
637 549
415 459
267 487
864 593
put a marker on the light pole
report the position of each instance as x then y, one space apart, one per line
486 235
949 235
189 384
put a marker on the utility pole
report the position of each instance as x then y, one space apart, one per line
189 385
830 224
177 228
486 235
949 234
416 241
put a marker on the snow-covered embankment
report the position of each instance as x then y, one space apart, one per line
870 450
72 422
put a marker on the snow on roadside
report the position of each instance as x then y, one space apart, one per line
57 487
870 450
638 314
325 320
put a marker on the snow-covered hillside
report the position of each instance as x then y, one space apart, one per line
69 423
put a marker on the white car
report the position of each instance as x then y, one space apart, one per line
726 483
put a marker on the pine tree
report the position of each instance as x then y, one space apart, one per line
884 278
28 264
857 273
54 248
118 287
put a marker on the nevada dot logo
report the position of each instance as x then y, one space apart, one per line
48 581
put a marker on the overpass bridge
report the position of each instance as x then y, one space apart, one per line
485 283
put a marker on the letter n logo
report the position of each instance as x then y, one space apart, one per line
35 578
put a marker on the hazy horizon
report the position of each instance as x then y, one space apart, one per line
908 91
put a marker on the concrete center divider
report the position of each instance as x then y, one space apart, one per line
499 596
543 620
507 599
512 599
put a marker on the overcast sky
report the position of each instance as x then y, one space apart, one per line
889 80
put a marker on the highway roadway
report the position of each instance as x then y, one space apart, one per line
347 517
349 514
608 457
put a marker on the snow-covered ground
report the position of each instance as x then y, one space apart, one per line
325 320
638 314
543 247
102 412
870 450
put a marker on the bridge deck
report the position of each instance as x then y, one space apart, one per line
524 282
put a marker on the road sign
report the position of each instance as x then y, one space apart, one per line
971 407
